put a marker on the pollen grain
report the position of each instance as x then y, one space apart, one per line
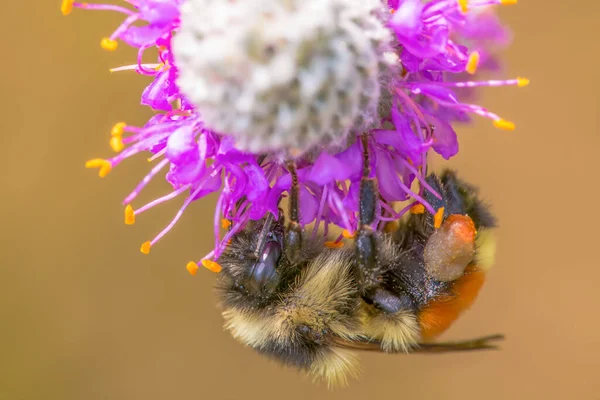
118 129
129 215
417 209
211 266
145 248
116 143
109 44
104 166
66 7
504 124
192 268
438 217
472 63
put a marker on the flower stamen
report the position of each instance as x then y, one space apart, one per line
104 166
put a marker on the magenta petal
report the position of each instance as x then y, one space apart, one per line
309 208
142 36
180 143
407 18
327 169
209 185
157 94
349 160
350 202
159 12
257 182
445 141
388 178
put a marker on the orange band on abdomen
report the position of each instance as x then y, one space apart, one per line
441 312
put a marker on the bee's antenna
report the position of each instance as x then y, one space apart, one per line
262 238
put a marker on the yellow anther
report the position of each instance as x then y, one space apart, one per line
145 248
116 143
417 209
66 7
334 245
192 268
104 166
109 44
464 5
211 266
522 82
504 125
225 223
129 215
346 233
438 217
508 2
473 63
118 129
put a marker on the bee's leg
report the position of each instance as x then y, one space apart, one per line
293 234
368 271
366 252
482 343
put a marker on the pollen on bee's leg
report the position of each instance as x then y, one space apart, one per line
451 248
104 166
225 223
129 215
212 266
438 217
145 247
192 268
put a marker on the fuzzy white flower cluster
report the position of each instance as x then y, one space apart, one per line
285 74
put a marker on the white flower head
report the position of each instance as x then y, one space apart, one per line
285 74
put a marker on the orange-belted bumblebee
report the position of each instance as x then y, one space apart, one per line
293 299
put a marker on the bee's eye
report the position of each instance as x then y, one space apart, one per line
264 270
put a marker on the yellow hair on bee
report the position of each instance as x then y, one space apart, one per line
486 249
397 332
250 329
323 287
321 290
335 366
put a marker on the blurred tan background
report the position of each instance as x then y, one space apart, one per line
84 315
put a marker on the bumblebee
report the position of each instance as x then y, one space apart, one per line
293 299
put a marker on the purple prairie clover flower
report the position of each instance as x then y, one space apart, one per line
241 89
